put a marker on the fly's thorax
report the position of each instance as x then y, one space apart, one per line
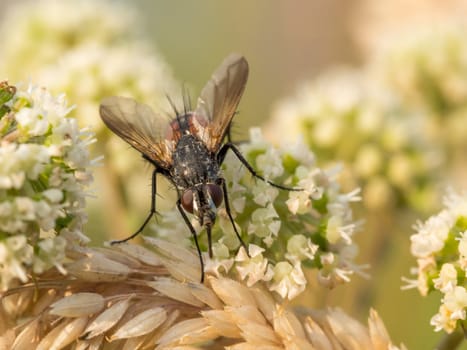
193 163
189 123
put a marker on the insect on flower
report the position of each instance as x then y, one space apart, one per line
190 149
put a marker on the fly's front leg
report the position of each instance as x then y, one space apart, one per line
193 232
151 212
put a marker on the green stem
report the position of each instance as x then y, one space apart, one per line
451 341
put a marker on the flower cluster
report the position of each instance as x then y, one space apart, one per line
285 231
45 30
90 72
90 50
44 169
346 115
427 70
87 49
440 246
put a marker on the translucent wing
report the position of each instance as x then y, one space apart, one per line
138 125
219 99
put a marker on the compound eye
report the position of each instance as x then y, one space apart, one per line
216 193
187 201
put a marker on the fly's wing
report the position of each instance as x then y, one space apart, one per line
219 99
138 125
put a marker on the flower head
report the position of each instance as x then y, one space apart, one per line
90 50
286 231
439 246
44 171
348 116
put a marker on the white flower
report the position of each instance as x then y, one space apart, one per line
431 235
300 247
440 247
288 281
229 238
456 203
18 162
238 199
51 252
425 267
25 208
256 139
253 268
270 163
264 221
298 150
54 195
221 263
300 202
334 231
15 254
442 320
447 279
455 301
32 121
264 193
333 271
310 181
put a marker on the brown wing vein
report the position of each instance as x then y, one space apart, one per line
139 126
220 97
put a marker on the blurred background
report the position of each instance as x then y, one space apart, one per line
380 87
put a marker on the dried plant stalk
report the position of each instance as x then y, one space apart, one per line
128 297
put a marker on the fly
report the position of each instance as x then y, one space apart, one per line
190 149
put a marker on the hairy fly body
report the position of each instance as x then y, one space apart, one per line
190 149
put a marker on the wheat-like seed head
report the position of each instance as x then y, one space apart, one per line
128 297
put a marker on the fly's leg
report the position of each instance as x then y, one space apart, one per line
151 212
208 231
253 172
193 232
229 133
227 209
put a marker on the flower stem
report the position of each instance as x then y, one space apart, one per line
451 341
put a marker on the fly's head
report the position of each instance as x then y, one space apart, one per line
202 201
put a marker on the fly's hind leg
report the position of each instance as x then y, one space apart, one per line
221 181
253 172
